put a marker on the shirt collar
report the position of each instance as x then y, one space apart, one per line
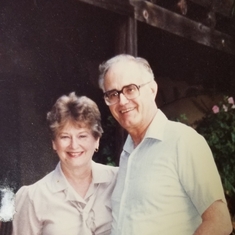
154 131
100 174
157 126
58 181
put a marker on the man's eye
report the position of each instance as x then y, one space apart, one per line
130 89
113 95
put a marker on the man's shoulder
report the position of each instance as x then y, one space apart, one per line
176 130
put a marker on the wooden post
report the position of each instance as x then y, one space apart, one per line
126 37
126 43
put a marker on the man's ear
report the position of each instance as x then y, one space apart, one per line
154 88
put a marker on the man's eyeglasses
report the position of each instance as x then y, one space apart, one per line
130 92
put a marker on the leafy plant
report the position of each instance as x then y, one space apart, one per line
107 148
218 128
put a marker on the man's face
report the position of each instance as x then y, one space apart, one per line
131 114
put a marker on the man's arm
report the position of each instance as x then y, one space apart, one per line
216 220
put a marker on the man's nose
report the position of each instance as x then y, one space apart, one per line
122 99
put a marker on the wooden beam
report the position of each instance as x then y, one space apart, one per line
118 6
179 25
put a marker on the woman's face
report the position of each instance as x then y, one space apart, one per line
75 146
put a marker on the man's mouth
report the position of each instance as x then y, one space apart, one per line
126 110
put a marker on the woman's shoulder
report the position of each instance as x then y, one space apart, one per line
108 168
35 188
104 173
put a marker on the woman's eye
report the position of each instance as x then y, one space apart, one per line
82 136
64 137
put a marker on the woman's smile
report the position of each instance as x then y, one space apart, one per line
75 154
75 145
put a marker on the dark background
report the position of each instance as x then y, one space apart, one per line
50 48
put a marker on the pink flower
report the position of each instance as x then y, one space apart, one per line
215 109
230 100
225 108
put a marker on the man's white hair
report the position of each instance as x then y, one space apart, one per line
105 66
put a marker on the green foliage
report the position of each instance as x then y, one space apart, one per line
218 128
182 118
107 147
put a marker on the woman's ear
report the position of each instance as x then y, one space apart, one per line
53 145
98 143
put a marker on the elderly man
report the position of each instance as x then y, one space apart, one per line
168 183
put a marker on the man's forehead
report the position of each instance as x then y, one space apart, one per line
123 67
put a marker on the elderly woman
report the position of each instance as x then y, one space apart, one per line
74 199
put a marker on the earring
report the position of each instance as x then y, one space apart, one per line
96 150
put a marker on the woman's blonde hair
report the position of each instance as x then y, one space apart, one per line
81 111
